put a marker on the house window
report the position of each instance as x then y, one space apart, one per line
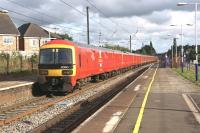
34 42
8 40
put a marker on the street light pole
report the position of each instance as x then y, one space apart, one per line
99 38
130 43
182 48
196 62
196 47
174 39
172 55
88 28
176 52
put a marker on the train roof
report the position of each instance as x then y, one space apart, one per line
67 42
58 41
96 47
106 49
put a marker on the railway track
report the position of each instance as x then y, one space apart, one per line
16 112
69 120
20 110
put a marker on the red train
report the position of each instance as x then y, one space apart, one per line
65 65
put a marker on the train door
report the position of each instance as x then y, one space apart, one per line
100 61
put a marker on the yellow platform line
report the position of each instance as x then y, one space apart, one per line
139 119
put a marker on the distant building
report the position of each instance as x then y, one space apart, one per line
9 34
32 37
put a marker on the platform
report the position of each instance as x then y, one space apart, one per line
10 82
170 107
14 89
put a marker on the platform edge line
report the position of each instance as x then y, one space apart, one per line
192 107
139 119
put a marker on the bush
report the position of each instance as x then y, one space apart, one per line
15 62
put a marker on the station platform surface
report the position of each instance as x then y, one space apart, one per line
9 81
170 105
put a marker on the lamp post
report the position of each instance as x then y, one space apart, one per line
175 49
182 51
131 37
196 48
172 51
182 48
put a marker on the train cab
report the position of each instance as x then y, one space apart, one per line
57 66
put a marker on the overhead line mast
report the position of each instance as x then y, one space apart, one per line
88 28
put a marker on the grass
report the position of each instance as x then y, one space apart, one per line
187 74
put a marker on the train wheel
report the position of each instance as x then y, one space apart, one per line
95 78
102 77
37 89
78 85
68 87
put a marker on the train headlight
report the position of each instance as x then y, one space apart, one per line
67 72
43 72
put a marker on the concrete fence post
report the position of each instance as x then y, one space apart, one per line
32 63
8 63
21 63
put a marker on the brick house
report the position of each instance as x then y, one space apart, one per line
9 35
32 37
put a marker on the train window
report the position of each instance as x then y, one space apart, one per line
61 56
47 56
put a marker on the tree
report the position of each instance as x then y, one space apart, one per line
151 45
147 49
152 50
189 51
116 47
65 36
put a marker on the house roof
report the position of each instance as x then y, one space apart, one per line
6 24
32 30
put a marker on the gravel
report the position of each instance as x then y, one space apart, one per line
20 100
28 123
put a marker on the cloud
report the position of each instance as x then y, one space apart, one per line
161 17
127 8
120 19
56 12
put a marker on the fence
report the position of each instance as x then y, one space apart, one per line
15 62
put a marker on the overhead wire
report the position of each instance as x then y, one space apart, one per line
33 10
77 10
117 24
46 15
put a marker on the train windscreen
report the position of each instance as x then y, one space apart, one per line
60 56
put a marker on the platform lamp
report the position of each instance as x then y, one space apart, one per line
172 58
196 48
182 51
175 48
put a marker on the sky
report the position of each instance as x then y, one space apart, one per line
111 21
